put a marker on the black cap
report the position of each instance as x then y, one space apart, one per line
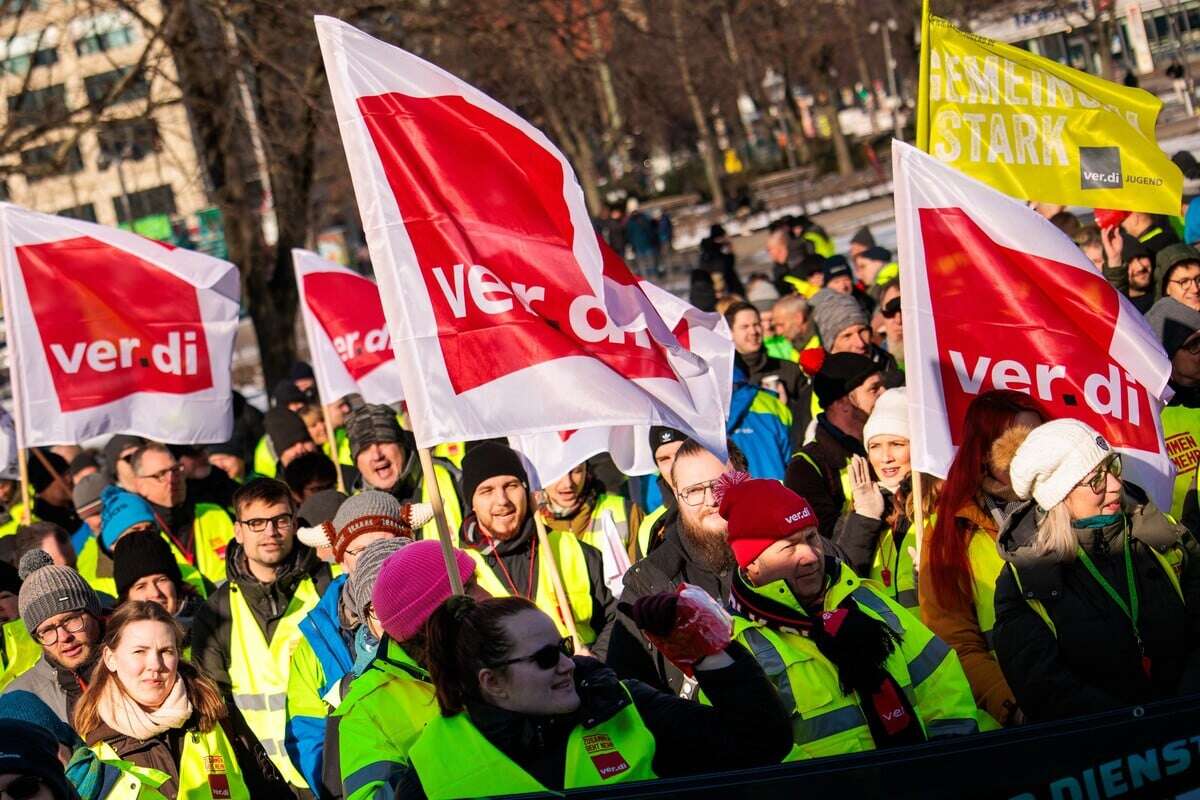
320 507
301 370
39 475
286 392
877 254
841 374
660 435
837 266
32 750
113 448
486 462
284 428
142 553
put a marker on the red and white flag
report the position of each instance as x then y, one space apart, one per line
110 332
347 333
996 297
507 313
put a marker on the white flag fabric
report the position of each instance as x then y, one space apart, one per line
347 333
111 332
508 314
996 297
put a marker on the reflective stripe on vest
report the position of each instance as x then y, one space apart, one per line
20 652
211 533
572 567
614 505
986 564
453 759
901 585
1181 434
258 671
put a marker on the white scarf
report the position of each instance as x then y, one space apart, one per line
125 715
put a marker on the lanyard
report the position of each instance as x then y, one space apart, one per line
1130 609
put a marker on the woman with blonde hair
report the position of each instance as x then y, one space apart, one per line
153 715
1098 604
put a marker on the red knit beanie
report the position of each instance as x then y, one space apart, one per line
759 512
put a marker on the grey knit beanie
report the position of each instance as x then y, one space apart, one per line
1173 323
835 313
367 569
369 512
373 424
49 589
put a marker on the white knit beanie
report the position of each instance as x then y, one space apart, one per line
890 416
1054 458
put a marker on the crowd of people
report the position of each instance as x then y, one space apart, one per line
273 616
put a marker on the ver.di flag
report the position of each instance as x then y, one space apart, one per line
996 297
1038 130
347 333
110 332
507 313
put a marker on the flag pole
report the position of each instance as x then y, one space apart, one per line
918 512
333 445
439 514
23 473
923 82
560 594
14 365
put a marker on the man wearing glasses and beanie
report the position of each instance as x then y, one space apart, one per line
62 614
243 637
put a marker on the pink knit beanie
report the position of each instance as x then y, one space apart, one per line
412 584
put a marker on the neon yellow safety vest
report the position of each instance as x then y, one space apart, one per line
900 582
1181 434
208 768
986 565
343 448
453 759
823 245
828 722
887 273
450 503
647 528
88 565
572 568
20 652
211 533
135 783
264 458
452 452
847 488
258 671
380 718
801 286
15 511
613 505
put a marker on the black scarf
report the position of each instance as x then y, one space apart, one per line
858 647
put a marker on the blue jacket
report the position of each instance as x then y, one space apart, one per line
304 736
759 424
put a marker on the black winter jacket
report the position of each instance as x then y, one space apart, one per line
667 566
1092 663
515 556
746 725
822 486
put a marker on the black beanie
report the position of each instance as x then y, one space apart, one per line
39 476
139 554
841 374
32 750
487 461
286 392
10 579
284 428
660 435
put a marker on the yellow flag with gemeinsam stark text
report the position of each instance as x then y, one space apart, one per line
1035 129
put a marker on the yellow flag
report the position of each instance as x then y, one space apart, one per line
1038 130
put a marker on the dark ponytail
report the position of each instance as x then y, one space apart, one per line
462 637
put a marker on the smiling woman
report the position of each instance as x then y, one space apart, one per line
142 699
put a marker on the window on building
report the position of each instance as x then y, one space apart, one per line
23 51
159 200
85 212
102 32
38 105
48 160
19 65
128 140
11 8
108 40
100 86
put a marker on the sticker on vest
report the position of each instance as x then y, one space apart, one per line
218 781
608 760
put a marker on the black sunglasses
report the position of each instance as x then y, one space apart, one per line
22 788
545 657
891 309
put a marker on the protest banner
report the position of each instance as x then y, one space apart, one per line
347 333
996 297
1039 130
110 332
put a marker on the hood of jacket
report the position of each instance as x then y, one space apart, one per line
301 563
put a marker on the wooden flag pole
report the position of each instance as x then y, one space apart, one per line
439 514
560 594
23 473
918 511
333 447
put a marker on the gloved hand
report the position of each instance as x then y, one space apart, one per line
686 626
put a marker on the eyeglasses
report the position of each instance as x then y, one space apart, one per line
891 309
22 788
1097 481
1182 283
73 624
545 657
694 495
281 522
162 475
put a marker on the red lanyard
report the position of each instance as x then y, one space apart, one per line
528 595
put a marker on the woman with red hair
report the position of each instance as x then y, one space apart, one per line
960 562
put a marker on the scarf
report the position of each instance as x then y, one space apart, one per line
125 715
856 644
